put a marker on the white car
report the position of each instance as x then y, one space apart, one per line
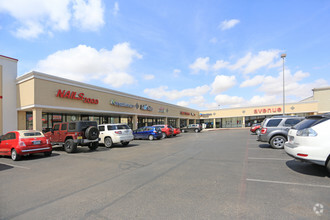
115 133
309 140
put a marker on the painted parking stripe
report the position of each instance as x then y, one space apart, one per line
287 183
257 158
8 164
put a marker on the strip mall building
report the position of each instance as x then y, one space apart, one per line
37 101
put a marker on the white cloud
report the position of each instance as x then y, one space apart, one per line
183 103
263 100
116 8
222 83
84 63
257 80
88 15
220 64
148 77
228 24
229 100
36 17
162 91
200 64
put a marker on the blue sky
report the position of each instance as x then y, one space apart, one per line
199 54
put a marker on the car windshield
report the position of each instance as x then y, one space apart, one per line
30 134
309 122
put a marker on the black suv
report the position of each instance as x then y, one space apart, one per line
72 134
275 130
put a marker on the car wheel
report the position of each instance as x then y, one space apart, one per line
151 137
14 155
196 130
70 146
163 135
48 153
93 145
125 143
277 142
328 165
258 131
108 142
92 133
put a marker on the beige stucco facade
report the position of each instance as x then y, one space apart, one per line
41 93
43 99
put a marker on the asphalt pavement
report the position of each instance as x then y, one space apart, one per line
221 174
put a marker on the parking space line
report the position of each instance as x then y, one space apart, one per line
287 183
265 158
8 164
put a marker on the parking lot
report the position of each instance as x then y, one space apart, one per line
222 174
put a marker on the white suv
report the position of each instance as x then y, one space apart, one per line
115 133
309 140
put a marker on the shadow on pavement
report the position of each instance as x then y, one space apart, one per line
307 168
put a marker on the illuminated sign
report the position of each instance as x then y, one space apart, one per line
75 96
121 104
267 110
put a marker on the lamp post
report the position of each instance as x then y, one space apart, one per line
283 55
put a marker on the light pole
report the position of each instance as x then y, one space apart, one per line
283 55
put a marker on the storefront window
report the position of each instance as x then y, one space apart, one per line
234 122
29 121
183 123
172 122
218 123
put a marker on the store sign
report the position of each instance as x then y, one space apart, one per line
205 115
121 104
146 107
184 113
267 110
162 110
75 96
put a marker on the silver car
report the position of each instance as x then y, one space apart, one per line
115 133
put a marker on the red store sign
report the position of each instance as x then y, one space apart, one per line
267 110
75 96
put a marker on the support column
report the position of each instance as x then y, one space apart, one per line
165 121
243 122
177 123
21 120
37 119
214 123
135 122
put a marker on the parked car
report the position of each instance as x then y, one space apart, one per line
255 129
115 133
148 132
24 142
176 131
167 130
192 127
275 130
72 134
309 140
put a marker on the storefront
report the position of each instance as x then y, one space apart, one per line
37 101
246 116
44 100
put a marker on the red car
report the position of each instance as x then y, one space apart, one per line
167 130
23 142
255 128
176 131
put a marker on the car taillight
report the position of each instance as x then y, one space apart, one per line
263 130
118 132
307 132
22 144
